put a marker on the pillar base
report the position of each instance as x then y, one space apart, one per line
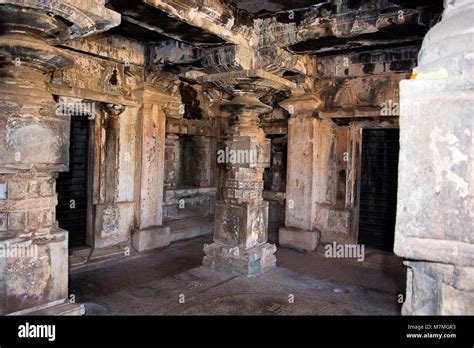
151 238
299 239
235 260
33 272
438 289
61 307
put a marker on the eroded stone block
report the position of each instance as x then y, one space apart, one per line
151 238
235 260
299 239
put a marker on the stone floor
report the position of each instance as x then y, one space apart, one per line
171 282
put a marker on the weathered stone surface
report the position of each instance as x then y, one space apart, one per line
300 231
299 239
34 146
241 216
236 260
180 80
435 207
151 238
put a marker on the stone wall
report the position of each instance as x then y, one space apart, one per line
435 215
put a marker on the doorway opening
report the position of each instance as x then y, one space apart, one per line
378 187
73 186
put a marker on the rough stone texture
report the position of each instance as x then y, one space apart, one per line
150 176
240 260
151 238
152 284
435 212
301 174
241 218
176 76
184 203
34 146
299 239
276 213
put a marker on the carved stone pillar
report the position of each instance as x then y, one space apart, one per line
204 159
435 209
241 216
172 160
150 233
278 164
300 231
34 144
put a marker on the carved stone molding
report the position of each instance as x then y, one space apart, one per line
86 17
305 104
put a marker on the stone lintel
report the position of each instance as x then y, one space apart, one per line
88 94
148 93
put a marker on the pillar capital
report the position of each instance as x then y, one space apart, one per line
302 104
47 18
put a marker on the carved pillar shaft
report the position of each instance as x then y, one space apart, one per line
299 231
34 146
278 165
150 233
172 160
241 216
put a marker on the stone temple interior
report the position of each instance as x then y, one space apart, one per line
268 157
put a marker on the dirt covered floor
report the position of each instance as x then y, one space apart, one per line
172 282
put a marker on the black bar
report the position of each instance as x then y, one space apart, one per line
136 330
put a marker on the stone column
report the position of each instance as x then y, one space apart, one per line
34 144
241 216
279 170
299 231
435 210
172 160
203 147
150 233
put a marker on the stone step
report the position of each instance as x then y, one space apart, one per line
190 228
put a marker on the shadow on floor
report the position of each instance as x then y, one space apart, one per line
170 281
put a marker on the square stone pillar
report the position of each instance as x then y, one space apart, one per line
34 146
172 160
301 177
150 233
435 208
241 216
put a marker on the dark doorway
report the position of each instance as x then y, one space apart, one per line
72 186
378 187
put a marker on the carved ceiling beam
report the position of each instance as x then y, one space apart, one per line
260 82
365 27
211 15
86 17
